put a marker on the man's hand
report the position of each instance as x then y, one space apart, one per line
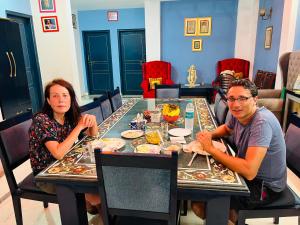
205 137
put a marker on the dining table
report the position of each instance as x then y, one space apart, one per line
204 179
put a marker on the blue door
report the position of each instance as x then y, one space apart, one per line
98 61
132 53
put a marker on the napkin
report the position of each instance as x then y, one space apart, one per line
178 140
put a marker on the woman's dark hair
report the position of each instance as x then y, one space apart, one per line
245 83
73 113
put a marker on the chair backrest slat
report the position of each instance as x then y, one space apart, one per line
105 106
115 99
167 91
293 148
144 184
14 139
93 108
14 145
221 111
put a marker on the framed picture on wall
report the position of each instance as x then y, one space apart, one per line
197 45
112 15
268 37
190 26
74 21
50 24
204 26
47 6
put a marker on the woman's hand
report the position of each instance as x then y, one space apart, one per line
87 121
205 137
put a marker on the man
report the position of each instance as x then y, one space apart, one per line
261 156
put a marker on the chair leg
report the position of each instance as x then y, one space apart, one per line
45 204
298 220
241 221
183 207
18 210
276 220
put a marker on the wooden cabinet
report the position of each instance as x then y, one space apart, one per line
14 93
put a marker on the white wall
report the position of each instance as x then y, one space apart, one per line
152 30
246 31
56 50
79 51
21 6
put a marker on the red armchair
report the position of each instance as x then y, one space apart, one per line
238 65
155 69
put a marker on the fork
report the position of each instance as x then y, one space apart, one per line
190 163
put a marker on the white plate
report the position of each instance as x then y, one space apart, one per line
148 148
112 144
180 132
131 134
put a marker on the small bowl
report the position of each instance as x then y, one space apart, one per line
170 119
168 147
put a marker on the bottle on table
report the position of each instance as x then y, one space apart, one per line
189 115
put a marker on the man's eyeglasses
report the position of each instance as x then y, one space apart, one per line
240 99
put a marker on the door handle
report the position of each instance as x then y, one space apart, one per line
12 54
10 74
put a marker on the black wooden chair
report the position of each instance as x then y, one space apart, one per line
135 186
14 151
115 99
105 106
289 202
225 81
229 140
221 112
220 95
93 108
167 91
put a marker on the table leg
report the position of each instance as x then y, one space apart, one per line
71 206
217 210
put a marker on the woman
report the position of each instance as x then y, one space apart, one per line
54 131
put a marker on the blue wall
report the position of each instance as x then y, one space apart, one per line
267 59
97 20
297 31
21 6
177 48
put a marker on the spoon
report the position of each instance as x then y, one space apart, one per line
190 163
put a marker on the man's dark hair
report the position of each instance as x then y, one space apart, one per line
245 83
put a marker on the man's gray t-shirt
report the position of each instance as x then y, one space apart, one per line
263 131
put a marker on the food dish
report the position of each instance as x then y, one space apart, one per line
148 148
110 144
179 132
54 170
131 134
153 137
169 147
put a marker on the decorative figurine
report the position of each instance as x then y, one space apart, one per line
192 77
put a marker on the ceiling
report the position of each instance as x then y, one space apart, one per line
106 4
